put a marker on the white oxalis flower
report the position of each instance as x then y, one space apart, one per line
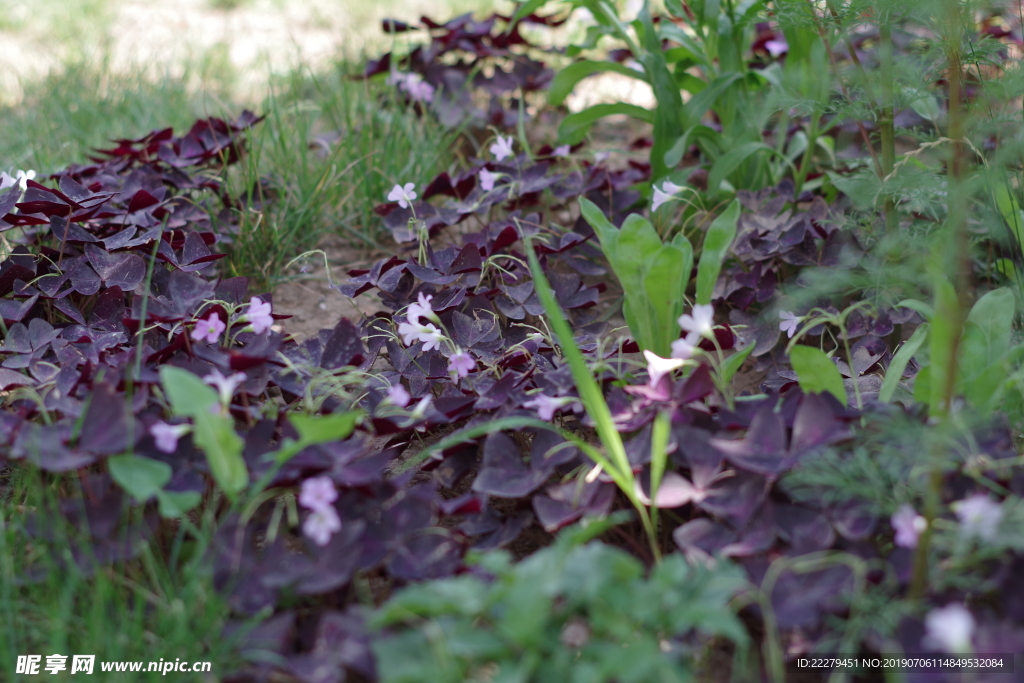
790 322
225 386
321 524
699 322
658 367
979 516
949 628
403 195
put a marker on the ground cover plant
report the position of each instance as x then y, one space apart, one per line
751 395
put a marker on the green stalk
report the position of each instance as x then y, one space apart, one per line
952 305
886 117
805 163
592 398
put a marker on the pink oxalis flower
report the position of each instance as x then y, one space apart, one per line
398 396
908 525
487 180
321 524
317 493
209 329
258 315
461 364
546 405
502 148
166 436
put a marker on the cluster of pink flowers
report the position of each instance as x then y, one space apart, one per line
414 330
460 363
979 516
258 316
318 495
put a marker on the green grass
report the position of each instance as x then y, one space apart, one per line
160 605
329 151
87 104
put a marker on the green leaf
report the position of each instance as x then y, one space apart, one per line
525 9
894 372
700 103
734 362
188 394
861 187
607 234
141 477
215 434
666 274
927 107
174 504
925 310
212 432
322 429
575 126
817 372
716 247
566 79
993 314
730 161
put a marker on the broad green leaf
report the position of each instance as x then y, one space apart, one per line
894 372
715 249
927 107
575 126
730 161
215 434
606 232
861 187
665 278
816 372
676 152
566 79
993 314
188 394
174 504
321 429
734 362
141 477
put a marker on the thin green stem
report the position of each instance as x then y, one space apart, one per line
887 128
